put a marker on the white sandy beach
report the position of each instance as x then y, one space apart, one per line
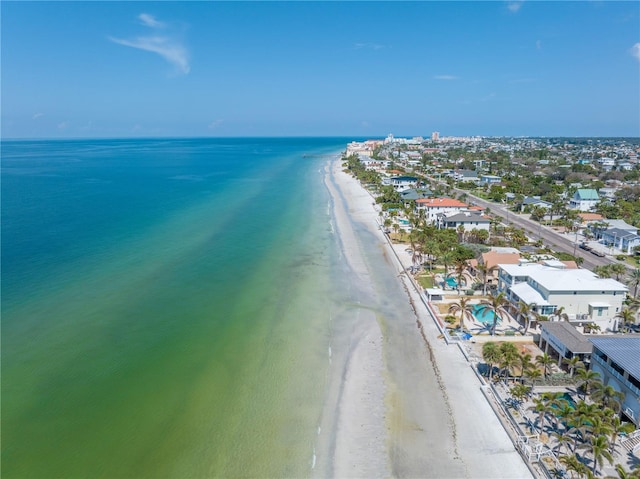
407 404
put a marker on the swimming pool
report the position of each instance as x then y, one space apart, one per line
483 314
451 282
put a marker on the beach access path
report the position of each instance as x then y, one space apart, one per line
411 406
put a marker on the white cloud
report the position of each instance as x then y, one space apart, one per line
150 21
167 48
446 77
635 51
215 124
37 115
63 126
514 7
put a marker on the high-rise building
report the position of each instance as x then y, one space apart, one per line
435 136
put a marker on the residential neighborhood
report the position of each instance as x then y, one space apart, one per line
527 245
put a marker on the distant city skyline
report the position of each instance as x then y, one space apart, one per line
359 69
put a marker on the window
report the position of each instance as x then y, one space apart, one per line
599 311
617 368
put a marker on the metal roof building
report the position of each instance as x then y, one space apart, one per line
617 360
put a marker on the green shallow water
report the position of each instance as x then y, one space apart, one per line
186 334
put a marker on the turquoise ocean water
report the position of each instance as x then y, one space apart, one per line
165 306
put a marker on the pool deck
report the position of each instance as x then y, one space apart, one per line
507 327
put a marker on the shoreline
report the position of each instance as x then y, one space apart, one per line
409 405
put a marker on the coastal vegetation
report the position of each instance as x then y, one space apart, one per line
582 431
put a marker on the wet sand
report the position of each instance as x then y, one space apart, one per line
406 404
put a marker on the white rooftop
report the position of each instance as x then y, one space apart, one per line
555 279
529 295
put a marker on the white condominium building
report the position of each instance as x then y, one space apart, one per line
585 297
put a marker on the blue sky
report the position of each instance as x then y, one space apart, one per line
139 69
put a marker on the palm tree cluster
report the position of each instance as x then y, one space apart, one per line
612 270
585 431
508 358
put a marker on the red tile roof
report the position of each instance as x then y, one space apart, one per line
441 203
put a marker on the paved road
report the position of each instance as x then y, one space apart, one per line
535 230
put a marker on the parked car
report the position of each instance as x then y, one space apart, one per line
598 253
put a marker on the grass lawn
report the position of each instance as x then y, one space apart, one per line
426 281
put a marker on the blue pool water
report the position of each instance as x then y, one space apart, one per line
483 315
452 283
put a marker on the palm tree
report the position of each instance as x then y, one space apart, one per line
618 426
525 363
533 374
635 281
520 391
526 312
560 314
573 363
461 266
599 448
573 465
545 361
464 307
600 426
446 259
509 357
498 304
586 378
626 316
618 269
540 406
563 439
623 474
491 355
607 396
485 271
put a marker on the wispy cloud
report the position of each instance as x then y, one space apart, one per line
167 46
446 77
635 51
150 21
539 45
215 124
370 46
514 7
37 115
63 125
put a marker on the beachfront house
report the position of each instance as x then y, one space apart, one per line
432 207
563 338
401 183
469 220
617 360
584 199
490 261
550 285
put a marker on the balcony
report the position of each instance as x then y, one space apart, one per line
607 367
